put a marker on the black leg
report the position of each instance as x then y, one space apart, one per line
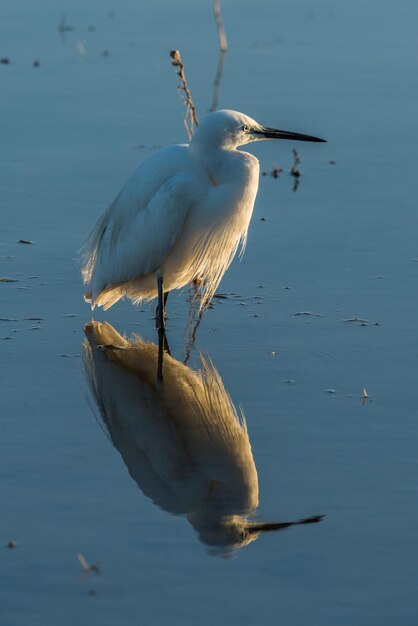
163 299
166 346
160 321
160 313
163 348
160 365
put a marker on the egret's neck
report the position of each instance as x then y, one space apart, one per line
221 164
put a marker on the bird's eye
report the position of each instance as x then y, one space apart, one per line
246 129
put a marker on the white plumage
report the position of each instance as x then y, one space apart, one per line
181 215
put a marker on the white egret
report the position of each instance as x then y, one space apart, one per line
180 217
181 438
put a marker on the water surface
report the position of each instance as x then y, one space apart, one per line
322 305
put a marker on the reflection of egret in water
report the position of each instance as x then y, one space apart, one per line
180 438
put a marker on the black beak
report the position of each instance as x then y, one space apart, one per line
275 133
257 527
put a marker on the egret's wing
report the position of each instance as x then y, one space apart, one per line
136 234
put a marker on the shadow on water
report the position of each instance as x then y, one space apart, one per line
181 438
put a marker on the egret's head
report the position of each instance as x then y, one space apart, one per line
230 129
225 535
228 534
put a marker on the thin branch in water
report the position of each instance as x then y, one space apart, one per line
195 317
190 118
223 47
192 340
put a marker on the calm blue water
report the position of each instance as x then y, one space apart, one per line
343 246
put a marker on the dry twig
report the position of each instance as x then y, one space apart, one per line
223 47
190 118
223 43
295 171
86 567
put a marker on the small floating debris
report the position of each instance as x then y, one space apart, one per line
273 353
86 567
11 544
221 296
36 63
63 27
5 61
275 172
81 49
105 53
332 162
290 381
26 242
301 313
355 319
144 146
331 391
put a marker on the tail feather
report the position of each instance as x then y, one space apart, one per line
108 297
